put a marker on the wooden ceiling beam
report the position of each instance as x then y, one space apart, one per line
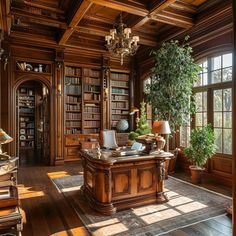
38 19
184 6
82 9
92 30
155 8
123 5
160 6
174 19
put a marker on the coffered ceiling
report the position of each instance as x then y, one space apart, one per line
84 23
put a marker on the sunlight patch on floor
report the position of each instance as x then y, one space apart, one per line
193 206
57 174
160 216
148 210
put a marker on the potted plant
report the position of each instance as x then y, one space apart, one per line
142 124
201 148
170 91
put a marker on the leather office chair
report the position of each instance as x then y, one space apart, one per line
108 139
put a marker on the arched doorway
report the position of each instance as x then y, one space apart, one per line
33 123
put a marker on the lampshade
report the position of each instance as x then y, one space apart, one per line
4 137
133 110
161 127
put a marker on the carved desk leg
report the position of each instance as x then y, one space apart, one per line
161 196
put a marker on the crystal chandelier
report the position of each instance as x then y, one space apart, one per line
120 41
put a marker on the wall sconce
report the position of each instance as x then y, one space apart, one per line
133 111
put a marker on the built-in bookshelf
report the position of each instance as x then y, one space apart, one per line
120 106
73 91
92 101
26 107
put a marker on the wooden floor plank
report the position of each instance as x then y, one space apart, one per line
47 212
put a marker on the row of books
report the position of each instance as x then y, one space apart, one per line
120 91
89 123
71 116
74 89
73 99
72 80
92 116
26 110
118 97
120 112
27 143
74 107
114 123
92 88
26 98
89 72
92 109
73 71
119 83
118 117
27 125
91 131
73 131
92 96
119 76
89 80
124 105
73 123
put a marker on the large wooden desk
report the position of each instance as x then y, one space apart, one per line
115 183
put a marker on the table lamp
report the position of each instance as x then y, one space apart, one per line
160 127
133 111
4 138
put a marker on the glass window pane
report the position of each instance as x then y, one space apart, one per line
227 60
216 63
227 141
205 79
198 118
227 74
218 100
204 118
216 76
199 81
218 139
218 119
204 105
198 101
227 93
227 119
204 65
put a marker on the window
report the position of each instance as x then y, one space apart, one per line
214 87
201 109
223 120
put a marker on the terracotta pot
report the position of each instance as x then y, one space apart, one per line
196 174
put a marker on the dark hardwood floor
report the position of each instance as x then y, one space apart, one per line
46 211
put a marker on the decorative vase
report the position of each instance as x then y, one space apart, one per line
160 142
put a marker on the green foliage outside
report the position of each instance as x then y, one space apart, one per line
170 92
142 125
201 145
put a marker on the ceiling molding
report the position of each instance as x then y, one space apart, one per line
82 9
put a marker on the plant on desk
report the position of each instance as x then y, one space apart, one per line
142 124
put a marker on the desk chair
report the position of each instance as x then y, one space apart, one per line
108 139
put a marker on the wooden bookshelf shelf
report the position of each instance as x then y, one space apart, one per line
119 87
